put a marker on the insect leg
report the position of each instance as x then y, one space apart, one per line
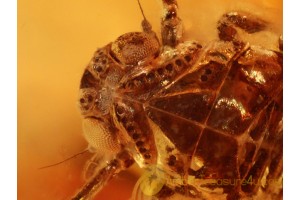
103 175
171 25
92 165
229 24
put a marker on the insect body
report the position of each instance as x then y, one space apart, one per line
208 118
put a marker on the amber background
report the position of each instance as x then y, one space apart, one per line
56 39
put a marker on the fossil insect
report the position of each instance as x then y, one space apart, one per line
209 118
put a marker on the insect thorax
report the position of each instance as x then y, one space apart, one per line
198 114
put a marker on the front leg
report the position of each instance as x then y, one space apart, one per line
122 161
171 25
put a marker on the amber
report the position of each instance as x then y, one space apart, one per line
209 118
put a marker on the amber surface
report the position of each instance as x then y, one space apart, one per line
54 47
200 114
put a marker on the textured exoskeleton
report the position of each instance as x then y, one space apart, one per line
206 120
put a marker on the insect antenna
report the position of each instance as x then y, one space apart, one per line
145 23
58 163
142 11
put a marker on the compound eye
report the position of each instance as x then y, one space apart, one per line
131 48
99 136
